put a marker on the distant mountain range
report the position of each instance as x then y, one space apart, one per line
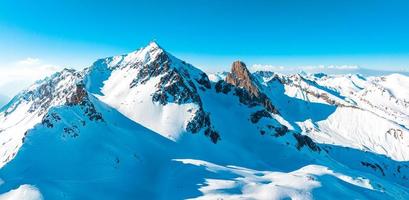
330 70
147 125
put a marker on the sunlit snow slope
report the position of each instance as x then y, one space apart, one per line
147 125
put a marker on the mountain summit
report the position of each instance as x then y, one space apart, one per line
149 125
240 76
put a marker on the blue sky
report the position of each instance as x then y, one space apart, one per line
210 34
84 30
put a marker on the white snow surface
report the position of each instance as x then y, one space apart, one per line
253 184
369 114
141 149
136 103
24 192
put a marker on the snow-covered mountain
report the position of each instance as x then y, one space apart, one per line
328 69
147 125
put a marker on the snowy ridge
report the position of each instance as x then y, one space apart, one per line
342 110
31 106
153 88
148 125
297 184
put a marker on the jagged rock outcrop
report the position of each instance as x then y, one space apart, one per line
178 85
247 88
157 109
65 89
303 140
256 116
171 80
241 77
374 166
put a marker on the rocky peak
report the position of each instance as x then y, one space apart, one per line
174 82
153 45
64 88
241 77
247 87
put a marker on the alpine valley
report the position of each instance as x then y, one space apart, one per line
147 125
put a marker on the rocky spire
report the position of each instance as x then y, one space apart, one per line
242 78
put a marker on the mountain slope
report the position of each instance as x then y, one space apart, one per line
165 89
343 110
148 125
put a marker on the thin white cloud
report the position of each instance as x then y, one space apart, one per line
29 61
260 67
327 69
20 74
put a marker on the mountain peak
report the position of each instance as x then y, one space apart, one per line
152 47
130 115
239 66
153 44
241 77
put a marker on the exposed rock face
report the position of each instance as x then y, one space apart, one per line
50 119
396 133
374 166
65 88
303 140
59 89
79 97
242 78
62 90
177 84
304 84
255 117
246 87
222 86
